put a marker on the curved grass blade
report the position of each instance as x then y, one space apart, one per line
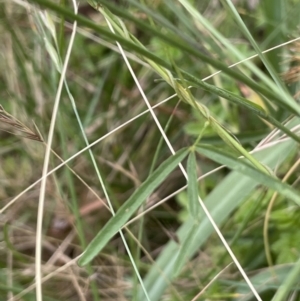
21 257
240 165
130 206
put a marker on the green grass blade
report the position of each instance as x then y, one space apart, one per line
131 205
267 279
282 277
193 203
278 87
183 254
182 45
221 202
244 137
245 168
10 246
193 50
243 102
233 51
276 16
288 283
281 89
165 23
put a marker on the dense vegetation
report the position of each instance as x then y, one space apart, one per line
169 132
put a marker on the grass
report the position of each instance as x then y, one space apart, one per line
150 153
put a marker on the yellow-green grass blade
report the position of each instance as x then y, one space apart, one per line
240 165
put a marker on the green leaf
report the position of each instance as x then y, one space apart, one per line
184 252
221 202
240 165
193 203
194 210
130 206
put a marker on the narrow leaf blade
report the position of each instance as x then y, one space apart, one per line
193 203
245 168
130 206
221 202
184 251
